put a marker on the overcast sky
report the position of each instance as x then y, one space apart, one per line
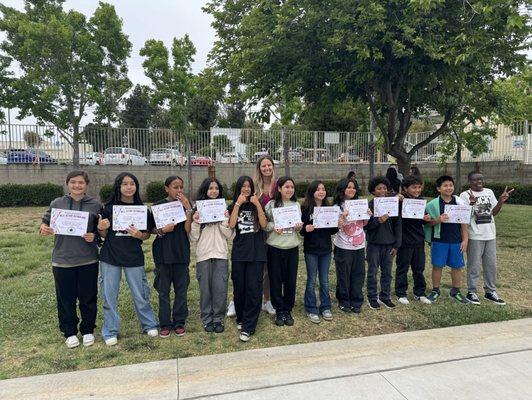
161 19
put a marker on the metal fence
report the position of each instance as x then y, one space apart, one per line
42 144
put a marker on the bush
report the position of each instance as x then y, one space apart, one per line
42 194
106 192
155 191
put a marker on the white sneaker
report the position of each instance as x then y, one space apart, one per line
244 336
424 300
239 327
231 312
152 332
314 318
88 339
72 341
403 300
268 307
111 341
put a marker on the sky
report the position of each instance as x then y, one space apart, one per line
157 19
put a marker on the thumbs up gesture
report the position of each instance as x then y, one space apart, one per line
103 224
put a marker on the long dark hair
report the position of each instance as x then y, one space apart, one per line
238 187
117 196
310 202
204 188
339 195
391 175
280 183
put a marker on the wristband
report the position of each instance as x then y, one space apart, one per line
237 204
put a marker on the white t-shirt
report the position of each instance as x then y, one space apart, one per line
482 226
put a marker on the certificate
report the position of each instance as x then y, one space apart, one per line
326 217
211 210
130 217
358 209
69 222
458 214
286 217
168 213
386 206
413 208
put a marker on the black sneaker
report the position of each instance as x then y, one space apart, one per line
434 295
288 320
459 297
356 309
218 327
279 319
209 328
386 303
494 297
373 304
473 298
345 309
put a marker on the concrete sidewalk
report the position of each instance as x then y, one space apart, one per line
485 361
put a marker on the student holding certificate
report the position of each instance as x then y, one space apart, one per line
171 254
75 263
283 250
123 251
317 248
212 268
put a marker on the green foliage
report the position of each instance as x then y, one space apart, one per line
138 110
42 194
106 192
516 93
222 144
155 191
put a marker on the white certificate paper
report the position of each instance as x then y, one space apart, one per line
358 209
286 217
130 217
413 208
168 213
386 206
326 217
69 222
458 214
211 210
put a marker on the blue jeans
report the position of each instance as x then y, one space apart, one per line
110 276
317 265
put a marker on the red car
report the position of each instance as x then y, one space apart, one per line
202 161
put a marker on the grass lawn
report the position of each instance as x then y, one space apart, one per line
30 341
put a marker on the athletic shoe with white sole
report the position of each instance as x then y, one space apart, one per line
423 299
314 318
152 332
111 341
72 341
231 312
244 336
88 339
268 307
473 298
494 298
327 315
403 300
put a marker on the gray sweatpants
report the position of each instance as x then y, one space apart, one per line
212 277
482 254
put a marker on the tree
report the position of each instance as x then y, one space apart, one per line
138 110
204 103
5 84
233 115
64 61
516 95
402 57
222 144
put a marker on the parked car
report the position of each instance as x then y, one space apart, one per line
202 160
124 156
167 157
348 157
295 156
259 154
233 158
3 159
91 158
29 156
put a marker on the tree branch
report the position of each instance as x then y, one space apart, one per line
448 117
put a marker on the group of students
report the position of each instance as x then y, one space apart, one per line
264 259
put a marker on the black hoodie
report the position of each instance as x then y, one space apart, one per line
388 233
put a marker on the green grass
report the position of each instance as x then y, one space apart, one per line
30 341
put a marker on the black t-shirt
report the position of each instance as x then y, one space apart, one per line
122 251
449 233
173 247
248 245
319 240
413 233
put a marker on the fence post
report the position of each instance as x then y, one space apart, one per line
284 141
371 145
315 157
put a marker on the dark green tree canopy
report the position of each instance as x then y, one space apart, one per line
138 110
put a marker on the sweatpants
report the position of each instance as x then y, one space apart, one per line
212 277
167 275
410 257
282 271
482 253
350 274
247 280
73 285
379 256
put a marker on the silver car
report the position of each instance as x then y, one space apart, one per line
124 156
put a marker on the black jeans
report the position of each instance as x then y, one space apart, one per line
413 257
72 285
379 256
167 275
282 271
350 274
247 292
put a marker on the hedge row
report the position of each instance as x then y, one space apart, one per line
41 194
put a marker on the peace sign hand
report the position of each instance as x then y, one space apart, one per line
505 195
472 198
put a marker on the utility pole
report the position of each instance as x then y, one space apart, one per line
371 145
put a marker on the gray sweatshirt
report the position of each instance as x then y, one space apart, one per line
72 251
